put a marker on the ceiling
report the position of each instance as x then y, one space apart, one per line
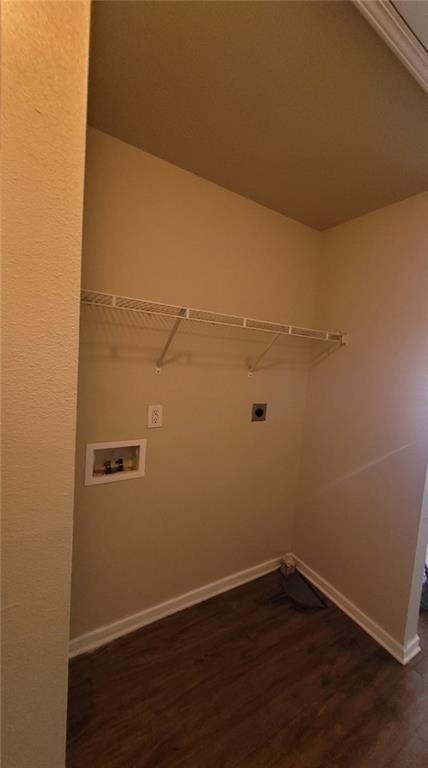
299 106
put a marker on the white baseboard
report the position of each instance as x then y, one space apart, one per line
401 652
97 637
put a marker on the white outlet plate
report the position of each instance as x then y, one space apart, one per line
154 416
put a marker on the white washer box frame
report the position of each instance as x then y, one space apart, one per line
91 479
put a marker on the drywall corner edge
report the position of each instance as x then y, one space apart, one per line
94 639
402 652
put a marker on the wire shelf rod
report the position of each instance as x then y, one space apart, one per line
146 307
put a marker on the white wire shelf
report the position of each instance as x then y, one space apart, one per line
177 313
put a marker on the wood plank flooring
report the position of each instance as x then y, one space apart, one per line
241 682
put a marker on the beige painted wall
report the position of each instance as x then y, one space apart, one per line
44 69
219 492
364 456
222 494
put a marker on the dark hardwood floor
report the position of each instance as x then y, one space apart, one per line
241 682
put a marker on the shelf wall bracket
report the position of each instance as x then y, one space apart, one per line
174 329
252 369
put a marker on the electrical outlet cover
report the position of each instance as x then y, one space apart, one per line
155 416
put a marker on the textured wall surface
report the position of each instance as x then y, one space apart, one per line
44 68
364 457
219 491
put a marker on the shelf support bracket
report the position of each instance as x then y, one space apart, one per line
252 369
174 329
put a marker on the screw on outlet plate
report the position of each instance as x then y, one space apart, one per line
258 412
